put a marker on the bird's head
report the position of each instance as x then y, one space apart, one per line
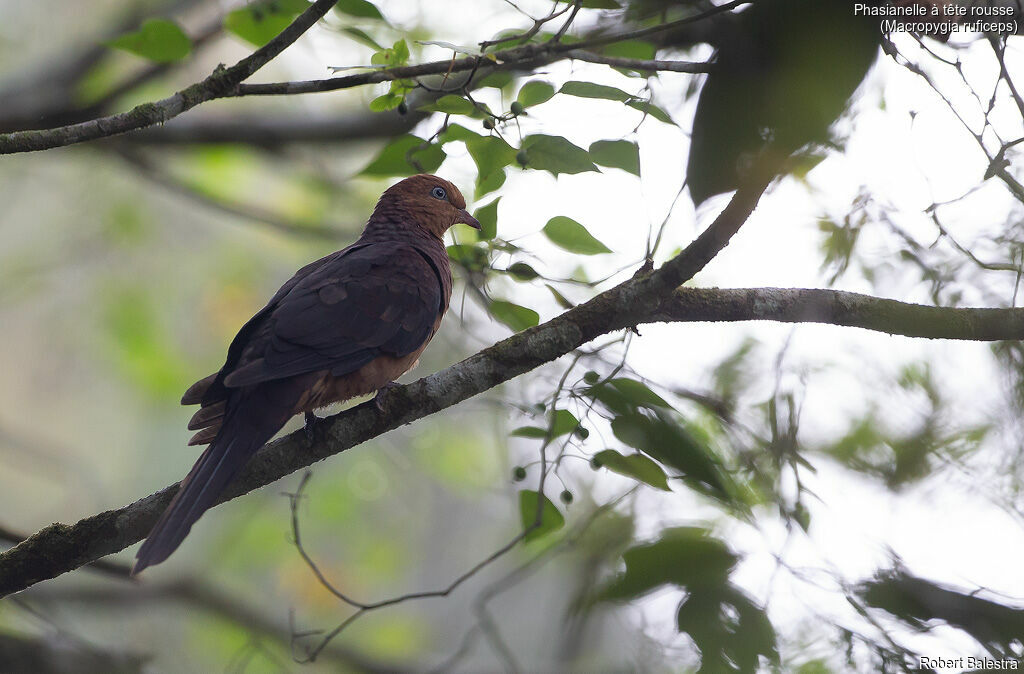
432 203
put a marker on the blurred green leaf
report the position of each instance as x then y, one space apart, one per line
396 55
668 442
563 422
620 154
158 40
651 110
687 557
551 519
522 271
491 155
139 344
534 432
398 157
560 299
497 80
514 316
556 155
630 49
729 629
570 235
359 8
473 258
636 466
593 90
535 92
385 102
362 37
260 22
450 104
487 216
456 132
638 392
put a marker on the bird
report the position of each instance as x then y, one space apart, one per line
343 326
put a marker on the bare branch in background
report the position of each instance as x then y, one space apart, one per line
217 85
196 594
154 172
225 84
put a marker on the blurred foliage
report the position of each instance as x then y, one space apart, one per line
675 472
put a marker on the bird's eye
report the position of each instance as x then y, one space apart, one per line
439 193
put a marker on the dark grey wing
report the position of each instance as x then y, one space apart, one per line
382 299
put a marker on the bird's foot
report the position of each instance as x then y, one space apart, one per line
312 421
380 401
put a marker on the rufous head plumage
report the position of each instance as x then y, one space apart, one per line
430 202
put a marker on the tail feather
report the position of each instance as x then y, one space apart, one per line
252 421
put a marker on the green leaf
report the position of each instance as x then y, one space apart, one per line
592 90
620 154
728 628
473 258
388 101
529 432
636 466
563 422
651 110
492 155
669 443
261 21
535 92
556 155
638 392
522 271
158 40
514 316
359 8
362 37
560 299
457 132
573 237
397 157
685 556
487 216
551 519
451 104
631 49
497 80
396 55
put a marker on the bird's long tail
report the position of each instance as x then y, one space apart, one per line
254 419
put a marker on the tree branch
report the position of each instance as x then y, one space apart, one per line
226 84
835 307
60 548
217 85
652 65
653 296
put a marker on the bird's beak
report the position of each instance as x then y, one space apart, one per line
465 218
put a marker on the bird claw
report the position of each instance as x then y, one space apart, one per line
312 421
380 400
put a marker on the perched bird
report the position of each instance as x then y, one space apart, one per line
346 325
